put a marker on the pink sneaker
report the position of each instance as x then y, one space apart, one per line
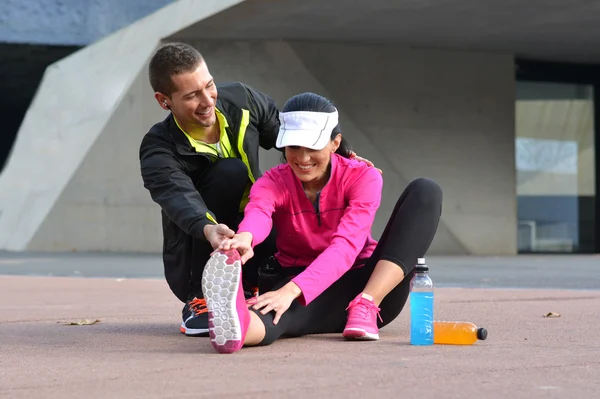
362 319
228 314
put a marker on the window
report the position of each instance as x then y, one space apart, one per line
555 164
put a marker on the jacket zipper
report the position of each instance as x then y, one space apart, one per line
317 208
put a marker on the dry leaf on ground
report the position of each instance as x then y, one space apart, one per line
552 314
83 322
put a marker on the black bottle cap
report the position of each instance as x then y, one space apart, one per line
421 266
481 333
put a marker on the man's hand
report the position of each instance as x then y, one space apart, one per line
279 300
242 242
216 233
361 159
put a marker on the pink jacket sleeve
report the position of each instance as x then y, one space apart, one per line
258 215
348 240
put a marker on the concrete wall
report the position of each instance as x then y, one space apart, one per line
444 115
59 131
69 22
104 206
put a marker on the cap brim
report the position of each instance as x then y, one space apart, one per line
315 140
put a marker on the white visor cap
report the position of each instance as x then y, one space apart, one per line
306 129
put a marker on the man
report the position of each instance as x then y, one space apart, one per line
198 164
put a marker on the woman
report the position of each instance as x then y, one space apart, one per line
322 205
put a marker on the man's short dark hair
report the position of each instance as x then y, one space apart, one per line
172 59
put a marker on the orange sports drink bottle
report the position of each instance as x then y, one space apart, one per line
457 333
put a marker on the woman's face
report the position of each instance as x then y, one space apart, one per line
311 165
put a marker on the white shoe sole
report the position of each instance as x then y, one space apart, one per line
220 285
193 332
359 334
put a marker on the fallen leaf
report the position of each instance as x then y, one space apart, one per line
552 314
83 322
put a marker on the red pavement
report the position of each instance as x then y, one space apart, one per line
136 350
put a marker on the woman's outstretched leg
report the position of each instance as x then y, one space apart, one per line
231 325
407 236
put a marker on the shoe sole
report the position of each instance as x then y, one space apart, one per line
220 285
193 332
359 334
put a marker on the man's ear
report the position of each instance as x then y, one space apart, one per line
163 100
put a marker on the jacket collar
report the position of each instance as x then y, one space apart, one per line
182 144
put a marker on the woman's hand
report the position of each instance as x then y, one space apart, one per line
242 242
279 300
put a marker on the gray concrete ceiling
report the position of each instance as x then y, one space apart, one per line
558 30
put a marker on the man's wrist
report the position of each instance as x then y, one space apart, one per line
207 230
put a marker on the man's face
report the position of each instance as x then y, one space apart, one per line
193 101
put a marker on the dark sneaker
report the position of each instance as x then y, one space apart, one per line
195 318
250 293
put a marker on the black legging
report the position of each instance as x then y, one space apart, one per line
407 236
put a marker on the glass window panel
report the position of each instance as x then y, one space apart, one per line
555 163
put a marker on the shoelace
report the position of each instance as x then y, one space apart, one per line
198 306
362 308
252 300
